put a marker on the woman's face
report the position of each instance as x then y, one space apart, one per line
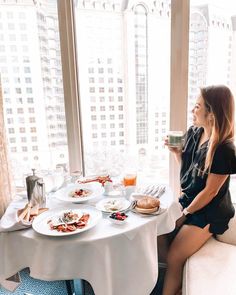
200 113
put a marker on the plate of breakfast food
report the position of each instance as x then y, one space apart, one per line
64 222
79 193
109 205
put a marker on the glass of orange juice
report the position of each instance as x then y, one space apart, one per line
130 179
129 182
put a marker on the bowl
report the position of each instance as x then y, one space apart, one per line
118 218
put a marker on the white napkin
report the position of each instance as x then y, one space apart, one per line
11 283
11 222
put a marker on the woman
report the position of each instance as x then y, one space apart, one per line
207 160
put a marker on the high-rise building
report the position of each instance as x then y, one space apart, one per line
30 68
210 49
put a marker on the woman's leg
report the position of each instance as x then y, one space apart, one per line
189 239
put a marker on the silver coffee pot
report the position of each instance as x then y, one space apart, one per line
35 190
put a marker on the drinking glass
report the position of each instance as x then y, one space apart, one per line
175 138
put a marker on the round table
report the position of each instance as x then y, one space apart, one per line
114 259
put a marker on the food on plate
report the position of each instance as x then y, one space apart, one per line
28 213
100 179
113 205
34 210
80 193
118 216
69 221
23 212
147 205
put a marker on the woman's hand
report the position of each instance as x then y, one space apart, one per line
180 221
173 149
176 151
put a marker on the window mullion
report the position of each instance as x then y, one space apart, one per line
179 77
70 82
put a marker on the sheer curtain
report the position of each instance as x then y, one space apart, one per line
6 190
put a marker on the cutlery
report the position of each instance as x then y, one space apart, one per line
148 190
154 190
131 207
161 191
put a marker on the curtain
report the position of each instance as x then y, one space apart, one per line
6 189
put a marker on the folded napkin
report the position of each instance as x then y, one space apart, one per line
11 283
17 219
155 191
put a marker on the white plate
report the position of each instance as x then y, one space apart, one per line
158 212
121 203
41 226
64 194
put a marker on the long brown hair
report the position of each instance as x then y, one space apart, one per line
220 102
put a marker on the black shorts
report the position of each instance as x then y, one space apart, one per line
200 219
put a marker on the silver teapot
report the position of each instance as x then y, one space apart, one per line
35 190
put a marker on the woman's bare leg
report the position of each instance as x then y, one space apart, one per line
189 239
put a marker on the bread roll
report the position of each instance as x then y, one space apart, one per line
35 210
23 212
147 205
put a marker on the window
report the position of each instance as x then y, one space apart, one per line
32 119
9 111
11 130
30 99
129 93
31 110
28 80
24 59
20 111
22 130
12 139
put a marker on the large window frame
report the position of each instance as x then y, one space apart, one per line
178 85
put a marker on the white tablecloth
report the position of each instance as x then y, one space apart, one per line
114 259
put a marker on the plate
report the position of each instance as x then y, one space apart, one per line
64 194
109 205
161 210
41 226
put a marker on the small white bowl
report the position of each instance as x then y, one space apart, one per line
117 221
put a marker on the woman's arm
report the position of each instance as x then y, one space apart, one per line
213 185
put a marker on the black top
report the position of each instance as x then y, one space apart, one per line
193 180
